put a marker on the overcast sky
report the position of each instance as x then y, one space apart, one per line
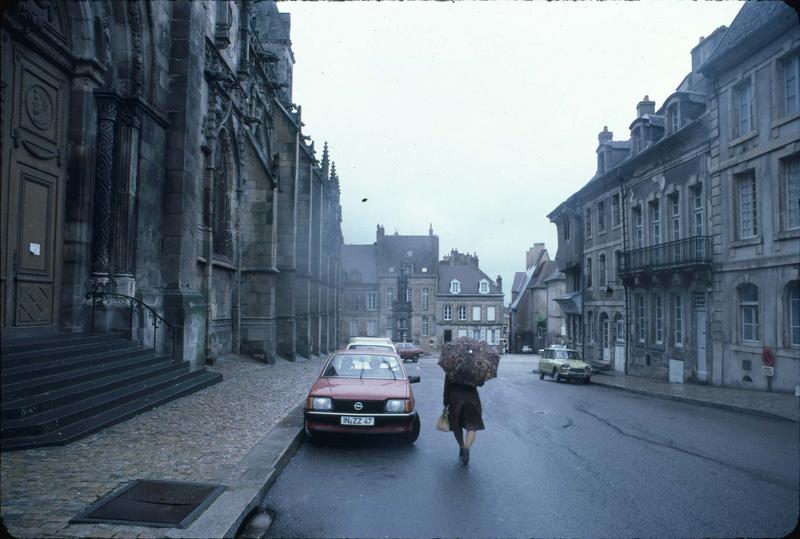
480 117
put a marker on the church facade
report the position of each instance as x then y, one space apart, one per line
152 150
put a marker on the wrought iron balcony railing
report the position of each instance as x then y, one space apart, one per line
688 252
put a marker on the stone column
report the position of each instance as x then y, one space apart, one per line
107 110
124 244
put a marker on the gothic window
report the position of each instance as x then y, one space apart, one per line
222 199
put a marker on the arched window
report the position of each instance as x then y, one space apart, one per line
748 312
794 313
222 199
455 286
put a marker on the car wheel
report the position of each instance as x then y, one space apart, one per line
556 376
416 359
541 375
412 436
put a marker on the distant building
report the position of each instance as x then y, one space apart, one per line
390 288
470 304
529 308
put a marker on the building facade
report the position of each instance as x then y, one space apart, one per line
708 190
754 176
391 286
470 304
529 309
154 152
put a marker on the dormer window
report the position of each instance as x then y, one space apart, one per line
455 286
673 118
484 286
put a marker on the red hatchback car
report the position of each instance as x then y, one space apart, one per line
362 391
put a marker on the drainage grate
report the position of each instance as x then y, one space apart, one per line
152 503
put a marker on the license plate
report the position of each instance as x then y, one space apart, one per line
358 421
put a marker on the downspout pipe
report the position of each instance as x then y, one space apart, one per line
622 205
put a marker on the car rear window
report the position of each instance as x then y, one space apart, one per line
363 366
370 347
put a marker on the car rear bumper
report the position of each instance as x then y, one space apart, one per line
384 423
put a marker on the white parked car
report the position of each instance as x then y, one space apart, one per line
526 349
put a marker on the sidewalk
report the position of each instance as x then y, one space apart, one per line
237 433
774 405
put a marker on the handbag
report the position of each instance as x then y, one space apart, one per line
443 423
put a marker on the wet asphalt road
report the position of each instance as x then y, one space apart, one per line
555 460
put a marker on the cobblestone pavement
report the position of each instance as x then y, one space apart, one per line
784 405
190 439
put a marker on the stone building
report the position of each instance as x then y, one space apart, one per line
152 149
707 189
529 324
469 302
390 288
754 178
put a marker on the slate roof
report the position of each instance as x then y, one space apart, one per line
361 258
543 270
753 17
519 278
555 276
468 276
394 250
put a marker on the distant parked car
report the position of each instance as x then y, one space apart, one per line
409 350
526 349
376 343
564 364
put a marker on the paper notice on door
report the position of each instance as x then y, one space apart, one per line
35 249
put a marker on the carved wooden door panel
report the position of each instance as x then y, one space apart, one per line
34 117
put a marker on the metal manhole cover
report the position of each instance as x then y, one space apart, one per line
152 503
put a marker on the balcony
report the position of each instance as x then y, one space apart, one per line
688 254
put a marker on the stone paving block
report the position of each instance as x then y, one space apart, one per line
197 438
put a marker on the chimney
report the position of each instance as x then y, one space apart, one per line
645 106
380 233
533 254
500 283
605 135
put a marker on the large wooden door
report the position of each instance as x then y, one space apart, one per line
34 115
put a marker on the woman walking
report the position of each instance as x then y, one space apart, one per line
464 413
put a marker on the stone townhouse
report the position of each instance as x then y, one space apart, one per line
529 302
470 304
590 238
393 282
754 173
708 190
152 150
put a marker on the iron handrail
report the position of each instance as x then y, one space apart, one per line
134 302
688 251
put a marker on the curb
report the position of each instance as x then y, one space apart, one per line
679 398
249 480
709 404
